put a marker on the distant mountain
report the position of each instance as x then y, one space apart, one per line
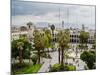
41 24
57 25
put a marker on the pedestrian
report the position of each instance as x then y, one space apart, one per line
50 66
73 59
78 65
76 61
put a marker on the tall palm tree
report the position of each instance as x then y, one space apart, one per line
52 28
39 43
20 48
49 37
59 55
29 45
63 40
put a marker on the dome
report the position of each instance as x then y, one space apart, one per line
23 28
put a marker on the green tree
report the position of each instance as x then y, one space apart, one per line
89 57
83 39
94 42
59 52
63 40
53 28
48 38
19 49
29 48
39 43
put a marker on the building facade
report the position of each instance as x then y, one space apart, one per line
17 32
28 31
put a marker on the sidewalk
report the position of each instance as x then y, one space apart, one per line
45 66
48 62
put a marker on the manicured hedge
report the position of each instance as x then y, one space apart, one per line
58 67
71 68
34 59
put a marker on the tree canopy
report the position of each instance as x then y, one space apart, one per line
84 37
63 39
25 46
89 57
52 27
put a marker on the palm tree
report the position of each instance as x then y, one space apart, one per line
59 54
39 43
20 48
63 40
52 28
29 45
49 38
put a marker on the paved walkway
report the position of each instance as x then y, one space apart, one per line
78 63
47 62
45 66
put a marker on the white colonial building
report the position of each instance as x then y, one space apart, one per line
28 31
17 32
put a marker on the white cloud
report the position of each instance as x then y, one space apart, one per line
78 14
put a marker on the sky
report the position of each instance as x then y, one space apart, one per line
42 14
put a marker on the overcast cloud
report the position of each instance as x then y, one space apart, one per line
43 13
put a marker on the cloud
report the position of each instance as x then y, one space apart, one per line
23 12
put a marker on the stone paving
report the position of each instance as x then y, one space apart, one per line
77 62
47 62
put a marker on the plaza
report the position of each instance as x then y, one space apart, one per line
48 37
73 52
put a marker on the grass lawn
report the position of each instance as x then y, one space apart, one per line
29 69
34 68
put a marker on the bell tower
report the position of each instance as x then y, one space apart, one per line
30 31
